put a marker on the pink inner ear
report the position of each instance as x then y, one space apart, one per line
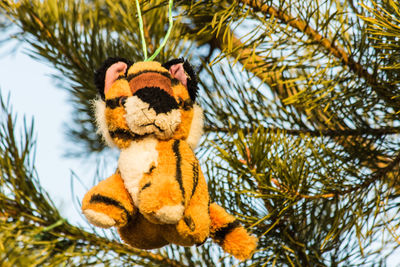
177 71
112 74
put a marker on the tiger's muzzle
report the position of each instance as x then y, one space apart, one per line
152 108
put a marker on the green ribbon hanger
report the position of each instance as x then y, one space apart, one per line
142 32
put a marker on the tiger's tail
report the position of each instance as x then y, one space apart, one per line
227 232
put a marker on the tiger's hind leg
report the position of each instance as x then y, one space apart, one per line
108 203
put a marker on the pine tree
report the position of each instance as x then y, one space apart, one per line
302 125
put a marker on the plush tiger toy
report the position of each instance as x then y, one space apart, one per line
158 194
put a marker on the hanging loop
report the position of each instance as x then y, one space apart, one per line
142 32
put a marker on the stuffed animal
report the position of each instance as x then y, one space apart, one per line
158 194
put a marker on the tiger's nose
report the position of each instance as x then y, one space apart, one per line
158 99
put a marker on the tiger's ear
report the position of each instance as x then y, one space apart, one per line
184 72
108 73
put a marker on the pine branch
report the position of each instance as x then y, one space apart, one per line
328 45
147 36
251 62
284 190
75 234
329 133
255 64
299 198
379 174
373 178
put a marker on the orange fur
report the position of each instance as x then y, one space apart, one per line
119 88
116 119
183 130
240 244
146 65
219 217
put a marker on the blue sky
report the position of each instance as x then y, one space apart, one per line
34 94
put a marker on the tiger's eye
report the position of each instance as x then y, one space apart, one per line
122 101
180 102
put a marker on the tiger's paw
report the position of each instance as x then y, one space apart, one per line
108 203
170 214
166 214
105 212
161 206
99 219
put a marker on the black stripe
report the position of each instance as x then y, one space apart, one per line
221 233
151 169
112 103
123 134
126 134
195 168
191 81
189 222
133 75
178 175
109 201
145 186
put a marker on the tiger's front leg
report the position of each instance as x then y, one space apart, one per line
108 203
162 192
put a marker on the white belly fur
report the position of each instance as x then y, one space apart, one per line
136 160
